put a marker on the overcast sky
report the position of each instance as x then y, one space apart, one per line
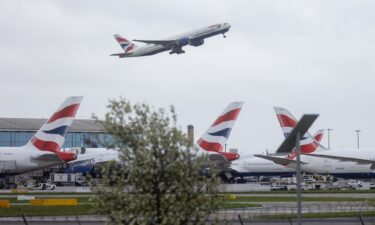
307 56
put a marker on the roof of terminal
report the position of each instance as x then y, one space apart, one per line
25 124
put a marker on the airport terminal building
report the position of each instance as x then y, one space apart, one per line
86 133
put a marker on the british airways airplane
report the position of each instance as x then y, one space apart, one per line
174 44
43 149
212 143
261 165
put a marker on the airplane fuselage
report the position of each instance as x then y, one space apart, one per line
17 160
338 168
91 159
194 38
254 166
94 156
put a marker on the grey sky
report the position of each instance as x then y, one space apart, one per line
308 56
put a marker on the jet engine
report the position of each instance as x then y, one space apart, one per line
183 41
196 43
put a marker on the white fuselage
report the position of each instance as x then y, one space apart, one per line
95 156
338 168
254 166
16 160
201 33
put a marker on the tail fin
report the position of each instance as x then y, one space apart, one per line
288 122
51 136
318 136
216 136
125 44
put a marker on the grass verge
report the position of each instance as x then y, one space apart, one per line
237 205
14 199
27 210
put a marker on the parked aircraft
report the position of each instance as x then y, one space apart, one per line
89 160
213 141
344 163
43 149
174 44
349 163
255 166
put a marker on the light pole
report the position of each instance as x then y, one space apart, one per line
357 131
299 180
329 137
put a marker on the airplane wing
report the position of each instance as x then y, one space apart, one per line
278 160
302 126
158 42
219 161
121 55
47 157
346 159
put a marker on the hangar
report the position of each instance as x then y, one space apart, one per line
86 133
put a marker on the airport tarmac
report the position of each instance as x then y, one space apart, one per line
256 187
248 189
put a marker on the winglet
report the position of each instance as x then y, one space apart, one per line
302 126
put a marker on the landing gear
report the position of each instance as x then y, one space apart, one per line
224 36
177 51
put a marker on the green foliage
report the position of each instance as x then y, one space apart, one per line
159 179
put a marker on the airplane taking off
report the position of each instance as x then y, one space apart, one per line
43 149
194 38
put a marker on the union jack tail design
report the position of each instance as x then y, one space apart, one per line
125 44
51 136
318 136
214 139
288 122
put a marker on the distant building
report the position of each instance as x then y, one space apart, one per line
16 132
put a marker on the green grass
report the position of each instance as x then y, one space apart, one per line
84 207
14 199
238 205
27 210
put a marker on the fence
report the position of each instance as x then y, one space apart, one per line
267 214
